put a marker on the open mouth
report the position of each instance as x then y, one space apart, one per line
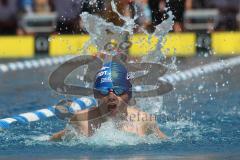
112 108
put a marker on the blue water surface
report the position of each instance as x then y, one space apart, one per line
201 117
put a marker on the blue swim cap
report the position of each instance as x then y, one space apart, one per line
112 75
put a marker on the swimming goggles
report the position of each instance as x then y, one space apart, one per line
118 91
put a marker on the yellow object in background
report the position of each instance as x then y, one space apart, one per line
16 46
179 44
68 44
176 44
226 43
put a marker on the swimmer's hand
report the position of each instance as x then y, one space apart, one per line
57 136
144 123
158 132
152 128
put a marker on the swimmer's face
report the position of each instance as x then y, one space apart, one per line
113 105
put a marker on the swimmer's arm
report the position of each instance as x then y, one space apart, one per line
80 122
74 120
84 121
158 132
85 115
58 136
148 126
152 127
81 127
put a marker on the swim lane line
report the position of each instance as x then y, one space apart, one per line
201 70
33 64
41 114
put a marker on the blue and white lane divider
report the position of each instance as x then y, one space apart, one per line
25 118
201 70
33 64
87 102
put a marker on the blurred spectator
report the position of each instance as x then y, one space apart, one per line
157 14
178 7
25 6
160 7
29 15
93 6
8 16
144 13
124 7
68 21
196 4
228 12
238 18
41 6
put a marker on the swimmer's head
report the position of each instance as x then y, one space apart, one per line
113 89
113 77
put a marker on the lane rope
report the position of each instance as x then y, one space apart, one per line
41 114
33 64
87 102
201 70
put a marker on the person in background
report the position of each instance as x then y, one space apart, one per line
124 7
42 6
178 7
25 6
160 7
31 8
228 12
8 16
156 13
144 13
68 19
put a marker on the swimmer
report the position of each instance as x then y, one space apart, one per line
113 91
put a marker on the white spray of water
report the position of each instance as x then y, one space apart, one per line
151 105
129 24
109 135
102 32
160 32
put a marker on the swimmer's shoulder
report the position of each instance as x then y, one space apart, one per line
86 121
137 115
85 115
147 122
134 109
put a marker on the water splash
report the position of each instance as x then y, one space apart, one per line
154 106
129 24
109 135
160 32
102 32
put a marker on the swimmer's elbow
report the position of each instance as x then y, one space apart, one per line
57 136
154 129
160 134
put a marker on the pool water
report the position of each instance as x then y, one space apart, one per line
201 117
